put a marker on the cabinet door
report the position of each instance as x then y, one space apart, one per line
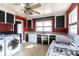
45 39
10 18
32 38
27 37
51 38
39 39
60 21
2 16
29 22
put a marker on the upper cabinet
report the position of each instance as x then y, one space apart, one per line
29 24
9 18
6 17
2 16
60 21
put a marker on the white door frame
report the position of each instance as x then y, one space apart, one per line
22 30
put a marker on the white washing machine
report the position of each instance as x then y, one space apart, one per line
2 51
12 44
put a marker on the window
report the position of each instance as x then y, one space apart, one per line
44 25
73 22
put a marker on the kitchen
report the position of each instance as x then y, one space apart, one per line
23 32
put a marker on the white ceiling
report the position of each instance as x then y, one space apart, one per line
46 9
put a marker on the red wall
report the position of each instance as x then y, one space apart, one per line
25 24
23 19
8 27
73 5
64 30
5 27
53 27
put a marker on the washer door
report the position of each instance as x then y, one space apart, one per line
13 44
0 48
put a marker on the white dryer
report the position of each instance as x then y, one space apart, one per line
12 44
2 52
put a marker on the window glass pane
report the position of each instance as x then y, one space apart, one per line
48 23
19 28
74 18
73 29
39 28
44 25
69 29
39 23
72 21
48 29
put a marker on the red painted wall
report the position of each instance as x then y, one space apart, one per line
73 5
8 27
23 19
53 26
25 24
5 27
64 30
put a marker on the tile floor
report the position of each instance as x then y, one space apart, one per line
29 49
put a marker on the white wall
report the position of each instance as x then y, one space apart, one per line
7 8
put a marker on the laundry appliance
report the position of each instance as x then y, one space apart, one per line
12 44
2 47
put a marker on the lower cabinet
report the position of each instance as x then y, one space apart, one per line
27 37
45 39
39 39
32 38
51 38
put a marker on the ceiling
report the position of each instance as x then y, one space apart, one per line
46 9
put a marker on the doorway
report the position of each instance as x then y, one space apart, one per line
19 29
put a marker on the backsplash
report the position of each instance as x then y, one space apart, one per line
6 27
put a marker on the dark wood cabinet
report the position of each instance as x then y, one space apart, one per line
10 18
60 21
29 24
45 39
2 16
51 38
39 39
27 37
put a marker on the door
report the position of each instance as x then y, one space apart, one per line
45 39
19 29
27 37
39 39
51 38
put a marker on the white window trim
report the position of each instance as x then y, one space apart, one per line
70 24
44 26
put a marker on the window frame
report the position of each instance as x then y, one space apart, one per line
44 26
71 23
